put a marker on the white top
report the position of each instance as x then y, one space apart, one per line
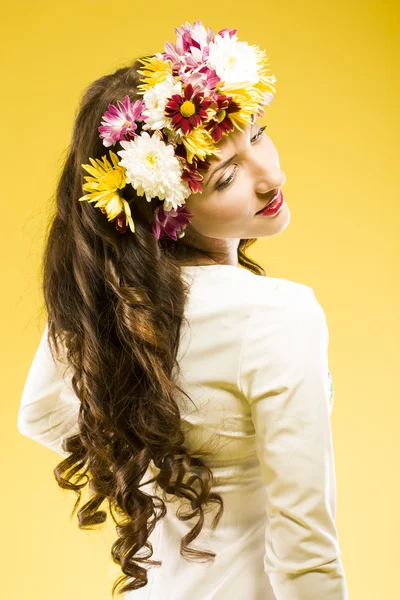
254 361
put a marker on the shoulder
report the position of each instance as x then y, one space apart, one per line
286 338
283 315
256 300
284 296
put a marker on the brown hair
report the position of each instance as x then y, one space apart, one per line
116 301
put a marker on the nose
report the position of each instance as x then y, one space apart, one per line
266 173
270 180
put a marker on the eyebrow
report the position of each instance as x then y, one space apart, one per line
221 166
229 160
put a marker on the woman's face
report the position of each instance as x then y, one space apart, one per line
251 178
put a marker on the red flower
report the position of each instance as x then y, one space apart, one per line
192 176
190 172
187 111
221 124
120 221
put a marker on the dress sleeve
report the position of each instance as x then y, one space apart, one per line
49 407
285 377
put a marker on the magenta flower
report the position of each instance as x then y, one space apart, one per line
169 222
119 122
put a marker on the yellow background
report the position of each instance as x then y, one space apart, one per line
335 123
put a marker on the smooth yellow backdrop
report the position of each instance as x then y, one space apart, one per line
335 122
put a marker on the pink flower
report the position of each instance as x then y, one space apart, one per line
119 123
189 56
169 222
190 53
231 32
202 78
191 41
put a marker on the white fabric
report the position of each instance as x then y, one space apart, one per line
254 361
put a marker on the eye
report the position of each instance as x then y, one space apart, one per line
259 133
224 184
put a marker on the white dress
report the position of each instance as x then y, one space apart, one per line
254 361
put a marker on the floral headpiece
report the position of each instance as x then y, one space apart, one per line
197 91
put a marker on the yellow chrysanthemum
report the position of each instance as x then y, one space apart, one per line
248 98
265 83
103 187
155 71
199 143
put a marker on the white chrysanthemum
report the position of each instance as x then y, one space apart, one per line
153 169
233 61
155 99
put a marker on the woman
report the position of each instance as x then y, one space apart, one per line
191 389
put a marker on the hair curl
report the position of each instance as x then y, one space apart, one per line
116 303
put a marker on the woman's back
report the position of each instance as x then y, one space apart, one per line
253 360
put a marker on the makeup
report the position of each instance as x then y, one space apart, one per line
273 207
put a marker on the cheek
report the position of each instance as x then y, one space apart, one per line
234 203
228 207
235 208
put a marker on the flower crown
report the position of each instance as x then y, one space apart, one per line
197 91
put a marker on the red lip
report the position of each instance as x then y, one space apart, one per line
269 202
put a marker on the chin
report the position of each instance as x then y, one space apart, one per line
274 225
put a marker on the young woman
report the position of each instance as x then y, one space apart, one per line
190 391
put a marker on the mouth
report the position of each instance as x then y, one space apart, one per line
275 194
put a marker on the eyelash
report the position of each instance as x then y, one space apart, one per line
227 181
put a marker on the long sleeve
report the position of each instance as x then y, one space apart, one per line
49 407
285 377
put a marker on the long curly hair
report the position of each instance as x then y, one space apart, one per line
115 304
